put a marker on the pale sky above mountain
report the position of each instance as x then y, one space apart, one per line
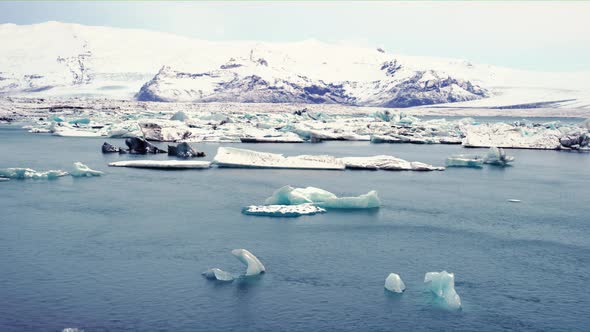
545 36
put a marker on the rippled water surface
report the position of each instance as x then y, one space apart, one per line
124 252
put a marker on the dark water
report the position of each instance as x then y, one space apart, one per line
124 252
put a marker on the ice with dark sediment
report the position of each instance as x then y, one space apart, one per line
287 211
388 163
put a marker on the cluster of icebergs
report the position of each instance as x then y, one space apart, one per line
21 173
303 125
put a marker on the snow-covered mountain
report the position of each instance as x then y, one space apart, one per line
58 59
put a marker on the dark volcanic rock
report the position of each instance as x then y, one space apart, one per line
108 148
184 150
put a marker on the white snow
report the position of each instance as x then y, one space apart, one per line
234 157
394 283
442 284
504 135
282 210
60 59
164 164
254 266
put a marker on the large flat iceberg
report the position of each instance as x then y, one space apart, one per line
442 284
163 164
288 195
282 210
234 157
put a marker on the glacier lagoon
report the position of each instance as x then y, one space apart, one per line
125 251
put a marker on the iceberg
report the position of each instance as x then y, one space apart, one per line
442 284
369 200
512 136
388 163
285 211
461 160
242 158
28 173
394 283
497 156
180 116
165 130
288 195
254 266
218 274
81 170
4 179
163 164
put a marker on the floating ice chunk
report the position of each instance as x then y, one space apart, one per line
512 200
442 284
218 274
233 157
180 116
464 161
81 170
28 173
288 195
394 283
282 210
4 179
388 163
287 138
369 200
254 265
69 132
72 329
165 164
497 156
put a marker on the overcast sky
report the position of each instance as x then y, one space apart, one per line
548 36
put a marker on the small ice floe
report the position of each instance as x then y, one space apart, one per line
4 179
497 156
28 173
394 283
288 195
36 130
218 274
513 200
162 164
462 160
81 170
282 210
388 163
254 266
442 284
72 329
242 158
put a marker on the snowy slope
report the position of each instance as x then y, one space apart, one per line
58 59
